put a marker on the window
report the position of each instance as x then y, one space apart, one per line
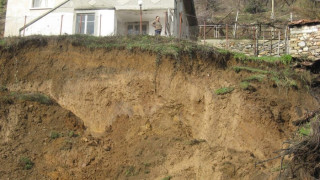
134 28
40 3
85 24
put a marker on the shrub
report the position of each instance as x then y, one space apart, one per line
54 135
26 163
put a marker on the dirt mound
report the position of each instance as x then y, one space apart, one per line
149 117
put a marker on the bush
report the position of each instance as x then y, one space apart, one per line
54 135
26 163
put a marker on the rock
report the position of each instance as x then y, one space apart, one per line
306 49
302 44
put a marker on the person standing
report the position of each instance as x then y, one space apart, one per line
157 26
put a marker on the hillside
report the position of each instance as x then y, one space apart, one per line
252 11
151 108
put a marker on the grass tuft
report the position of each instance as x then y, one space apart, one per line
224 90
257 77
167 178
244 85
54 135
36 97
26 163
249 69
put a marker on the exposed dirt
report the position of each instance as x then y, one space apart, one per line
144 118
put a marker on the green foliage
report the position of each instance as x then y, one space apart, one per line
276 169
26 163
250 69
305 130
36 97
130 171
244 85
284 59
72 134
3 88
284 78
257 77
54 135
163 46
224 90
167 178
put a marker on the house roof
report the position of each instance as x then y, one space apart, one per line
304 22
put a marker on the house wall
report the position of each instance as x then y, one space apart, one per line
111 24
305 41
16 12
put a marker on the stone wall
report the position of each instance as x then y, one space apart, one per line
305 41
246 46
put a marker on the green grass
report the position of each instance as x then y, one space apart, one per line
26 163
276 169
257 77
244 85
167 178
224 90
36 97
305 130
54 135
130 171
283 80
249 69
22 96
285 59
164 46
3 88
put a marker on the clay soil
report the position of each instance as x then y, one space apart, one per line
142 118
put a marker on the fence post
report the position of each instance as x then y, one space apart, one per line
254 41
286 40
257 40
61 25
180 27
279 36
271 42
263 40
227 43
24 27
100 25
204 32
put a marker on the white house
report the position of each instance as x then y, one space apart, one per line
98 17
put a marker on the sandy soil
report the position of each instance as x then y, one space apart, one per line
144 119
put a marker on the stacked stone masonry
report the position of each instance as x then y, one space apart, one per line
305 41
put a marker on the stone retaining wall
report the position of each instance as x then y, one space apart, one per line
246 46
305 41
